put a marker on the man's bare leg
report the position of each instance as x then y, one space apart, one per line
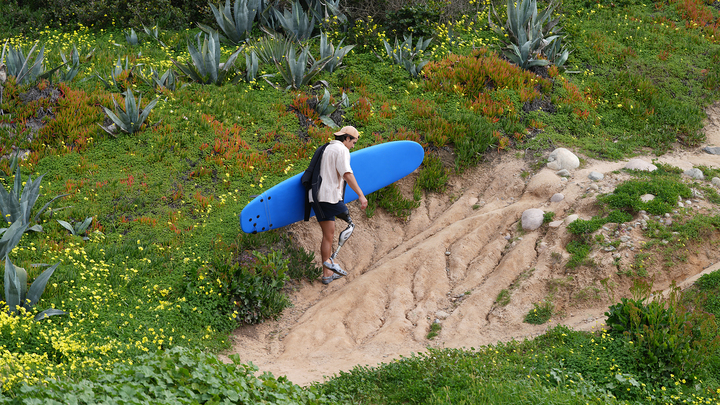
328 231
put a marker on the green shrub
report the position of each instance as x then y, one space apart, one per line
176 376
670 337
666 191
433 176
256 287
540 313
578 250
392 200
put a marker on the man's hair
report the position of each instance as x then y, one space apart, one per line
343 137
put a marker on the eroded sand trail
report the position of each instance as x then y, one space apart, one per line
449 261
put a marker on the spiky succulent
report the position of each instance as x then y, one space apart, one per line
130 119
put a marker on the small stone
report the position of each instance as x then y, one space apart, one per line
594 187
442 314
639 164
557 197
647 197
563 173
555 224
571 218
595 176
695 174
715 181
681 205
447 253
713 150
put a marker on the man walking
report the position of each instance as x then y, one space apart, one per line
325 180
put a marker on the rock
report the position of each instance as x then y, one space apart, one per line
557 197
532 219
713 150
639 164
563 173
647 197
595 176
562 158
594 187
695 173
715 181
441 314
681 205
555 224
543 185
571 218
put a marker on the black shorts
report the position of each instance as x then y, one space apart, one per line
330 211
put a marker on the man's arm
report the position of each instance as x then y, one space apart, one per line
350 179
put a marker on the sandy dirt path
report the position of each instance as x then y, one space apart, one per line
449 261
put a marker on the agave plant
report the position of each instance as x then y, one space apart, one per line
325 109
17 295
297 70
404 53
115 72
168 80
326 10
272 49
236 24
80 227
16 205
251 66
328 50
528 32
21 67
206 67
154 34
73 68
296 22
131 37
132 118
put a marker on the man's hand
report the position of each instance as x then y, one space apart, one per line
363 202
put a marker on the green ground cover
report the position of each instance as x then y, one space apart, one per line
165 265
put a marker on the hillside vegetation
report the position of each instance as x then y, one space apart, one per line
129 151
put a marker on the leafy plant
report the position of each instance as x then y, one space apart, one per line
168 80
272 49
404 53
671 337
206 67
21 67
251 66
299 70
131 37
255 287
335 56
325 108
80 227
130 119
72 64
540 313
154 34
17 295
433 176
297 24
527 33
16 205
236 23
115 75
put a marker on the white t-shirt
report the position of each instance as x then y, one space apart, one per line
334 164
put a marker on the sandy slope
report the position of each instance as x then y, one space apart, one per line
450 260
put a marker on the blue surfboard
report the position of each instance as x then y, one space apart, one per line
374 167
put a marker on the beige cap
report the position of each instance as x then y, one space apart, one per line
348 130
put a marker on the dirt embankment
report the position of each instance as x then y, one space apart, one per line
449 261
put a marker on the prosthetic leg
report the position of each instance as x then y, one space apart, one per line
344 235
